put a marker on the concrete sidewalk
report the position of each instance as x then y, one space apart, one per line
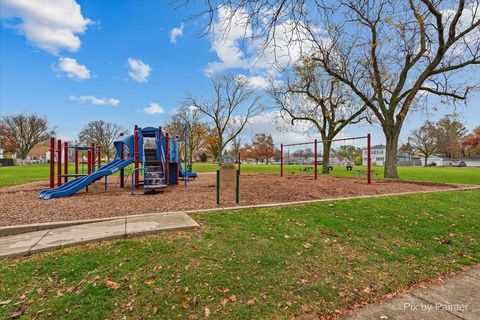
51 239
456 298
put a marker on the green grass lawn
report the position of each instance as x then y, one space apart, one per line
256 263
23 174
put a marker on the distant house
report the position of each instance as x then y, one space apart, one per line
38 154
405 159
439 160
377 155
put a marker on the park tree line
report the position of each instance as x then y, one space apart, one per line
388 58
447 137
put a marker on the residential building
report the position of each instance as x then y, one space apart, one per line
377 155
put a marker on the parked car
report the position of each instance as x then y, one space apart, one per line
459 164
431 164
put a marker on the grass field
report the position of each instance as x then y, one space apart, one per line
251 264
23 174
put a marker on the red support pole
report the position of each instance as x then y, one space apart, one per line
89 162
176 165
65 161
99 157
281 160
59 162
52 162
122 173
93 156
167 159
136 156
76 159
369 160
315 160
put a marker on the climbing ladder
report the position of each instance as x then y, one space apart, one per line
154 174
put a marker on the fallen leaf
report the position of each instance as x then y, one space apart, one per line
224 302
155 310
2 303
185 305
207 311
112 285
233 298
18 313
307 245
251 301
306 308
150 282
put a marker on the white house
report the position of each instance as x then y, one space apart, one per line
1 153
377 155
439 160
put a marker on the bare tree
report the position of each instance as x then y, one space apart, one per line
424 140
186 121
24 132
392 54
103 134
236 146
321 100
233 104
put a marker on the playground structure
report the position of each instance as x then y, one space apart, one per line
150 151
315 143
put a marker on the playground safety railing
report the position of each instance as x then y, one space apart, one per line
145 172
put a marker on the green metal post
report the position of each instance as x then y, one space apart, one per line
237 190
218 186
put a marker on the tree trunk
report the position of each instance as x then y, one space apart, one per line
326 156
426 159
390 161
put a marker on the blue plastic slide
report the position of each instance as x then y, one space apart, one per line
183 173
78 184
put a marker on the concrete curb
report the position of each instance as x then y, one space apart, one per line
17 229
37 246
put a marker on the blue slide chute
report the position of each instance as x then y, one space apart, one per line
72 187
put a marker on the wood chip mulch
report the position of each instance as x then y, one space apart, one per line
21 205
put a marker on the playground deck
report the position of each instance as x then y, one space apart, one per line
21 204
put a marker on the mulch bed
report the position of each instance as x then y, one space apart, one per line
21 205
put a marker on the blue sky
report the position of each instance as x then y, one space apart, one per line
81 68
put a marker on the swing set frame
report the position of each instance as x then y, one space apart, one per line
315 161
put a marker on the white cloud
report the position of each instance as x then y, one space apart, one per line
260 81
176 33
95 101
239 46
227 39
72 69
470 14
49 25
154 108
139 71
